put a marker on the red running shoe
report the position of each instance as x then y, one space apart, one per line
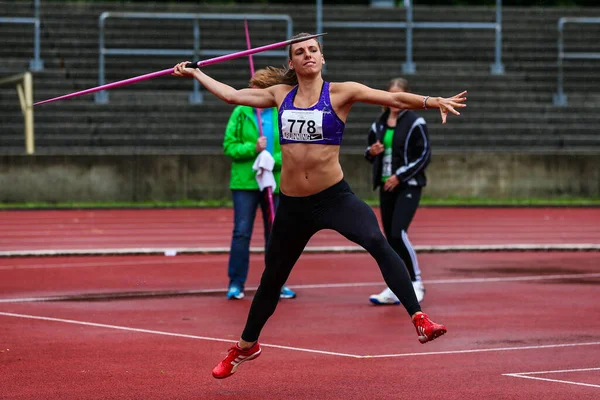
234 358
427 329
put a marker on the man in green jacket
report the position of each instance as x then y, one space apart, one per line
243 143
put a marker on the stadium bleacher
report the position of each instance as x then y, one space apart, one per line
513 111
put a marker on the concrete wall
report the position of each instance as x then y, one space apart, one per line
79 178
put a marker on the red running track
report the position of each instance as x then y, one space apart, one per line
513 319
521 325
194 228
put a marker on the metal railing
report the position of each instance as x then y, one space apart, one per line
196 96
24 83
36 63
560 98
409 67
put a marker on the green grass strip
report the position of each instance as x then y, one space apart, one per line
425 201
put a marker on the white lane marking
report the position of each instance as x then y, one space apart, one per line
154 332
166 293
163 333
525 375
309 249
439 353
114 263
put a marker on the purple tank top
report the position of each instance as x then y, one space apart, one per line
318 124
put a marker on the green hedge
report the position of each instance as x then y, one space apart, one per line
511 3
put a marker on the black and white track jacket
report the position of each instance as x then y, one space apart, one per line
411 149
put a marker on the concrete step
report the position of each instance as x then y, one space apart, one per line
490 114
498 142
73 144
356 129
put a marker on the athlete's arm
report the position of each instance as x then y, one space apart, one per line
348 93
258 98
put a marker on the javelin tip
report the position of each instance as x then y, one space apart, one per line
303 38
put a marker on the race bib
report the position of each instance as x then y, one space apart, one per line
302 125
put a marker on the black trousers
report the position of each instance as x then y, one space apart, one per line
296 221
397 211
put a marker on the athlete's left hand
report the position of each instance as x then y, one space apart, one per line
449 105
391 183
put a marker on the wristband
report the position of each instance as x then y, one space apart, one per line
425 102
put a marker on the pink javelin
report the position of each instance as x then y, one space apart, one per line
260 128
168 71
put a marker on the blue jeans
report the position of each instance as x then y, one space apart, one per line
245 204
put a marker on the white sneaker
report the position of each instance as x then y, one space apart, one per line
419 289
384 298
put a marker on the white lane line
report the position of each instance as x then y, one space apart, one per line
525 375
558 371
116 295
115 263
167 293
308 249
439 353
13 264
163 333
454 281
10 264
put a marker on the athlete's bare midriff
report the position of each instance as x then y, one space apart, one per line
309 168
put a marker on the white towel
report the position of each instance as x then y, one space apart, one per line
263 165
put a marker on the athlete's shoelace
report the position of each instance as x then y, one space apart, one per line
235 351
422 322
231 353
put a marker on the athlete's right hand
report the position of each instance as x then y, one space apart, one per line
181 70
376 148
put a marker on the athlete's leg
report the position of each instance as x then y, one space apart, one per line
289 236
354 219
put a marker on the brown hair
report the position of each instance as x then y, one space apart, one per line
264 78
399 83
273 76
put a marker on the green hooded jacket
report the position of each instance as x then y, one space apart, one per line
239 144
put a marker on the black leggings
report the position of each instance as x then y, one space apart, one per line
296 221
397 211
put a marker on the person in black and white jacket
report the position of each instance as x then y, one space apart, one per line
399 149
